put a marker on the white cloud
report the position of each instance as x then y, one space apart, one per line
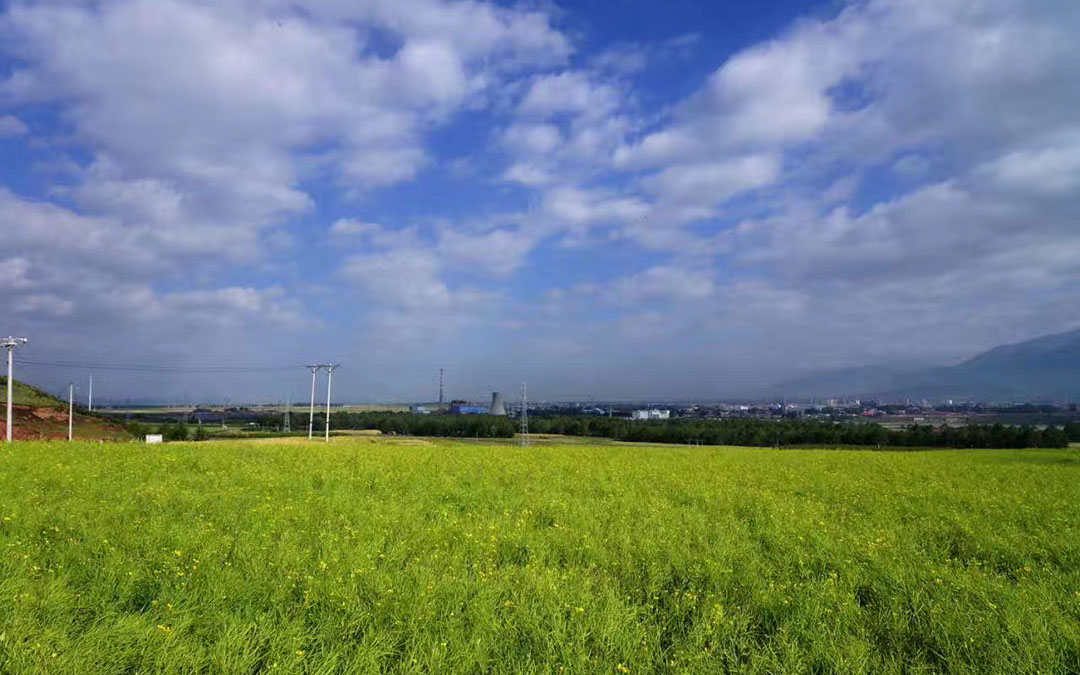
533 139
230 96
577 208
405 278
568 92
529 175
14 274
765 96
497 253
43 303
12 127
712 182
663 283
1051 171
104 276
351 227
840 190
206 131
235 305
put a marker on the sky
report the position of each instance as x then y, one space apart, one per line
607 199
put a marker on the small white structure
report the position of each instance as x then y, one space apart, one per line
154 438
652 414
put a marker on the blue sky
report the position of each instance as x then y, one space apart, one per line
607 199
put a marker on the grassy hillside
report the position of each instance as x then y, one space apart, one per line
368 555
24 394
38 415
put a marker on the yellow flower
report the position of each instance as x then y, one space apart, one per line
299 652
164 629
622 669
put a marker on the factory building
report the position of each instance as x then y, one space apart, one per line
466 408
496 407
651 414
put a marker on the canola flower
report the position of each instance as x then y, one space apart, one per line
407 557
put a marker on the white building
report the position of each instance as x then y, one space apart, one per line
651 414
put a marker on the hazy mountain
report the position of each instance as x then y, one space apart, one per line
1043 368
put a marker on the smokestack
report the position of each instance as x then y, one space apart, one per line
497 407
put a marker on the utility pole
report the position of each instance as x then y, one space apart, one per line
329 379
71 409
524 417
90 395
314 368
10 343
440 389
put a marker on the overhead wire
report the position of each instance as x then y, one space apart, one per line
155 367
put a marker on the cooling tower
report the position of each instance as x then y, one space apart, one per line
497 407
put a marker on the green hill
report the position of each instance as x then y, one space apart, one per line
38 415
24 394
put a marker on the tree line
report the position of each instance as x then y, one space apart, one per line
802 432
714 432
748 432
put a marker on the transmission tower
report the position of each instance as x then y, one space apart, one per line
10 343
285 423
440 389
524 417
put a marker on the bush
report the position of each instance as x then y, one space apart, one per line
174 432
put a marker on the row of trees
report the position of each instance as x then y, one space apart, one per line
713 432
406 424
799 432
750 432
1072 431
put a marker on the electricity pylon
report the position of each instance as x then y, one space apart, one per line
524 417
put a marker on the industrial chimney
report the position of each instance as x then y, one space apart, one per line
497 407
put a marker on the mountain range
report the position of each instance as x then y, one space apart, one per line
1042 369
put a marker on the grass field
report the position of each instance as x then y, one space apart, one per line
373 555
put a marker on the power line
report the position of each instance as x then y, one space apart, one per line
154 368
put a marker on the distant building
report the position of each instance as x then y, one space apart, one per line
419 410
464 408
651 414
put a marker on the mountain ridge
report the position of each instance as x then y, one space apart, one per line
1042 368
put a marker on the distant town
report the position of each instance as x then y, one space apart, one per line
891 415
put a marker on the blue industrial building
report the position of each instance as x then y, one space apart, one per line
468 408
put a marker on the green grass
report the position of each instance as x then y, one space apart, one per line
370 555
24 394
